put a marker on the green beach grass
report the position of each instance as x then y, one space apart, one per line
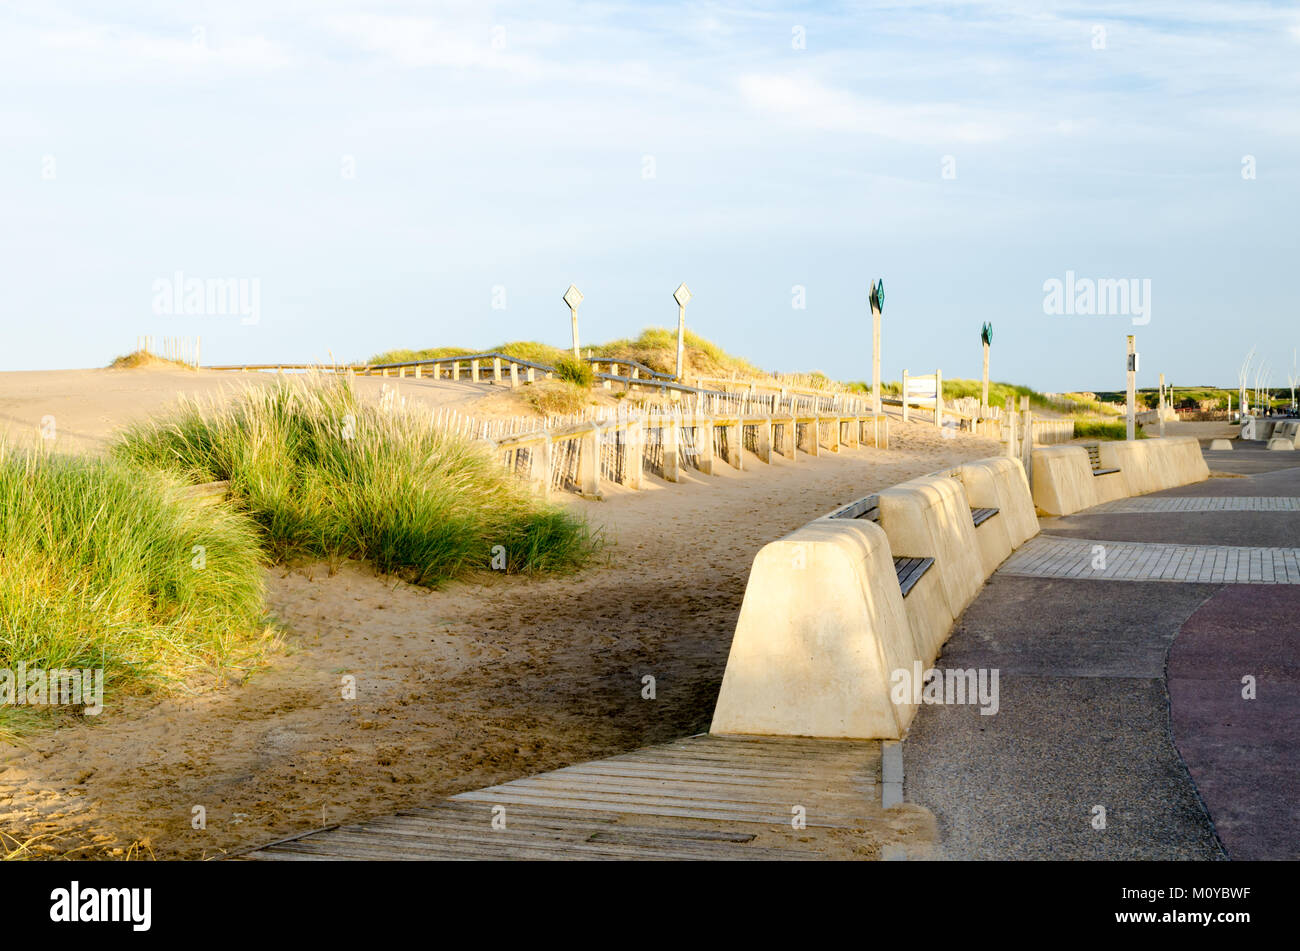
104 567
326 475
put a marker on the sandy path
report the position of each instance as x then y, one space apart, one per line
484 681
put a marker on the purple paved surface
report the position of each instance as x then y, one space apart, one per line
1244 755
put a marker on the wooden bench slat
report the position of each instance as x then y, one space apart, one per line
980 516
1094 457
910 570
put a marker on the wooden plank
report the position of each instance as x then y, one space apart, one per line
633 841
698 775
694 792
703 810
555 820
508 843
502 844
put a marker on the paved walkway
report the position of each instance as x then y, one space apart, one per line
1121 691
1223 503
1050 556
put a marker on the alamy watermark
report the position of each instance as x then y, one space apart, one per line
954 686
1103 297
38 686
181 296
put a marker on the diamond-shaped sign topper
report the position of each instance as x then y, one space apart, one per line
573 297
878 295
682 294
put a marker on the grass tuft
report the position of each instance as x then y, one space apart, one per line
98 570
577 372
326 475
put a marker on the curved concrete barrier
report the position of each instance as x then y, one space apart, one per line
821 630
1221 445
824 624
1062 480
1180 460
1280 442
1000 483
1133 460
930 516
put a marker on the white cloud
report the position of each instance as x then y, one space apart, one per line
422 41
805 100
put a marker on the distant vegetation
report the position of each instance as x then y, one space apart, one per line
142 358
325 475
656 347
104 567
1096 429
1066 404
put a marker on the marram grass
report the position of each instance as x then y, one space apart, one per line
104 567
327 475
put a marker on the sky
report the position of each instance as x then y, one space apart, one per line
367 176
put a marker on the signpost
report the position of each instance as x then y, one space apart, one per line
1161 408
681 295
877 301
1130 429
573 297
986 338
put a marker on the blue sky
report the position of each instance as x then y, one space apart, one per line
382 170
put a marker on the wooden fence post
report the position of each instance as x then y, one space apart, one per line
670 434
1027 439
763 440
633 453
704 444
541 468
589 463
938 399
736 445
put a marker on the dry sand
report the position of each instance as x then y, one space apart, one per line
484 681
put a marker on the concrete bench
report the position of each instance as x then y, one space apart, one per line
1094 458
907 570
1063 486
831 613
1063 480
821 630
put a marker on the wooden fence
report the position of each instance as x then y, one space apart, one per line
583 456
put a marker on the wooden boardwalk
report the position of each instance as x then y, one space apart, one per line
703 797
